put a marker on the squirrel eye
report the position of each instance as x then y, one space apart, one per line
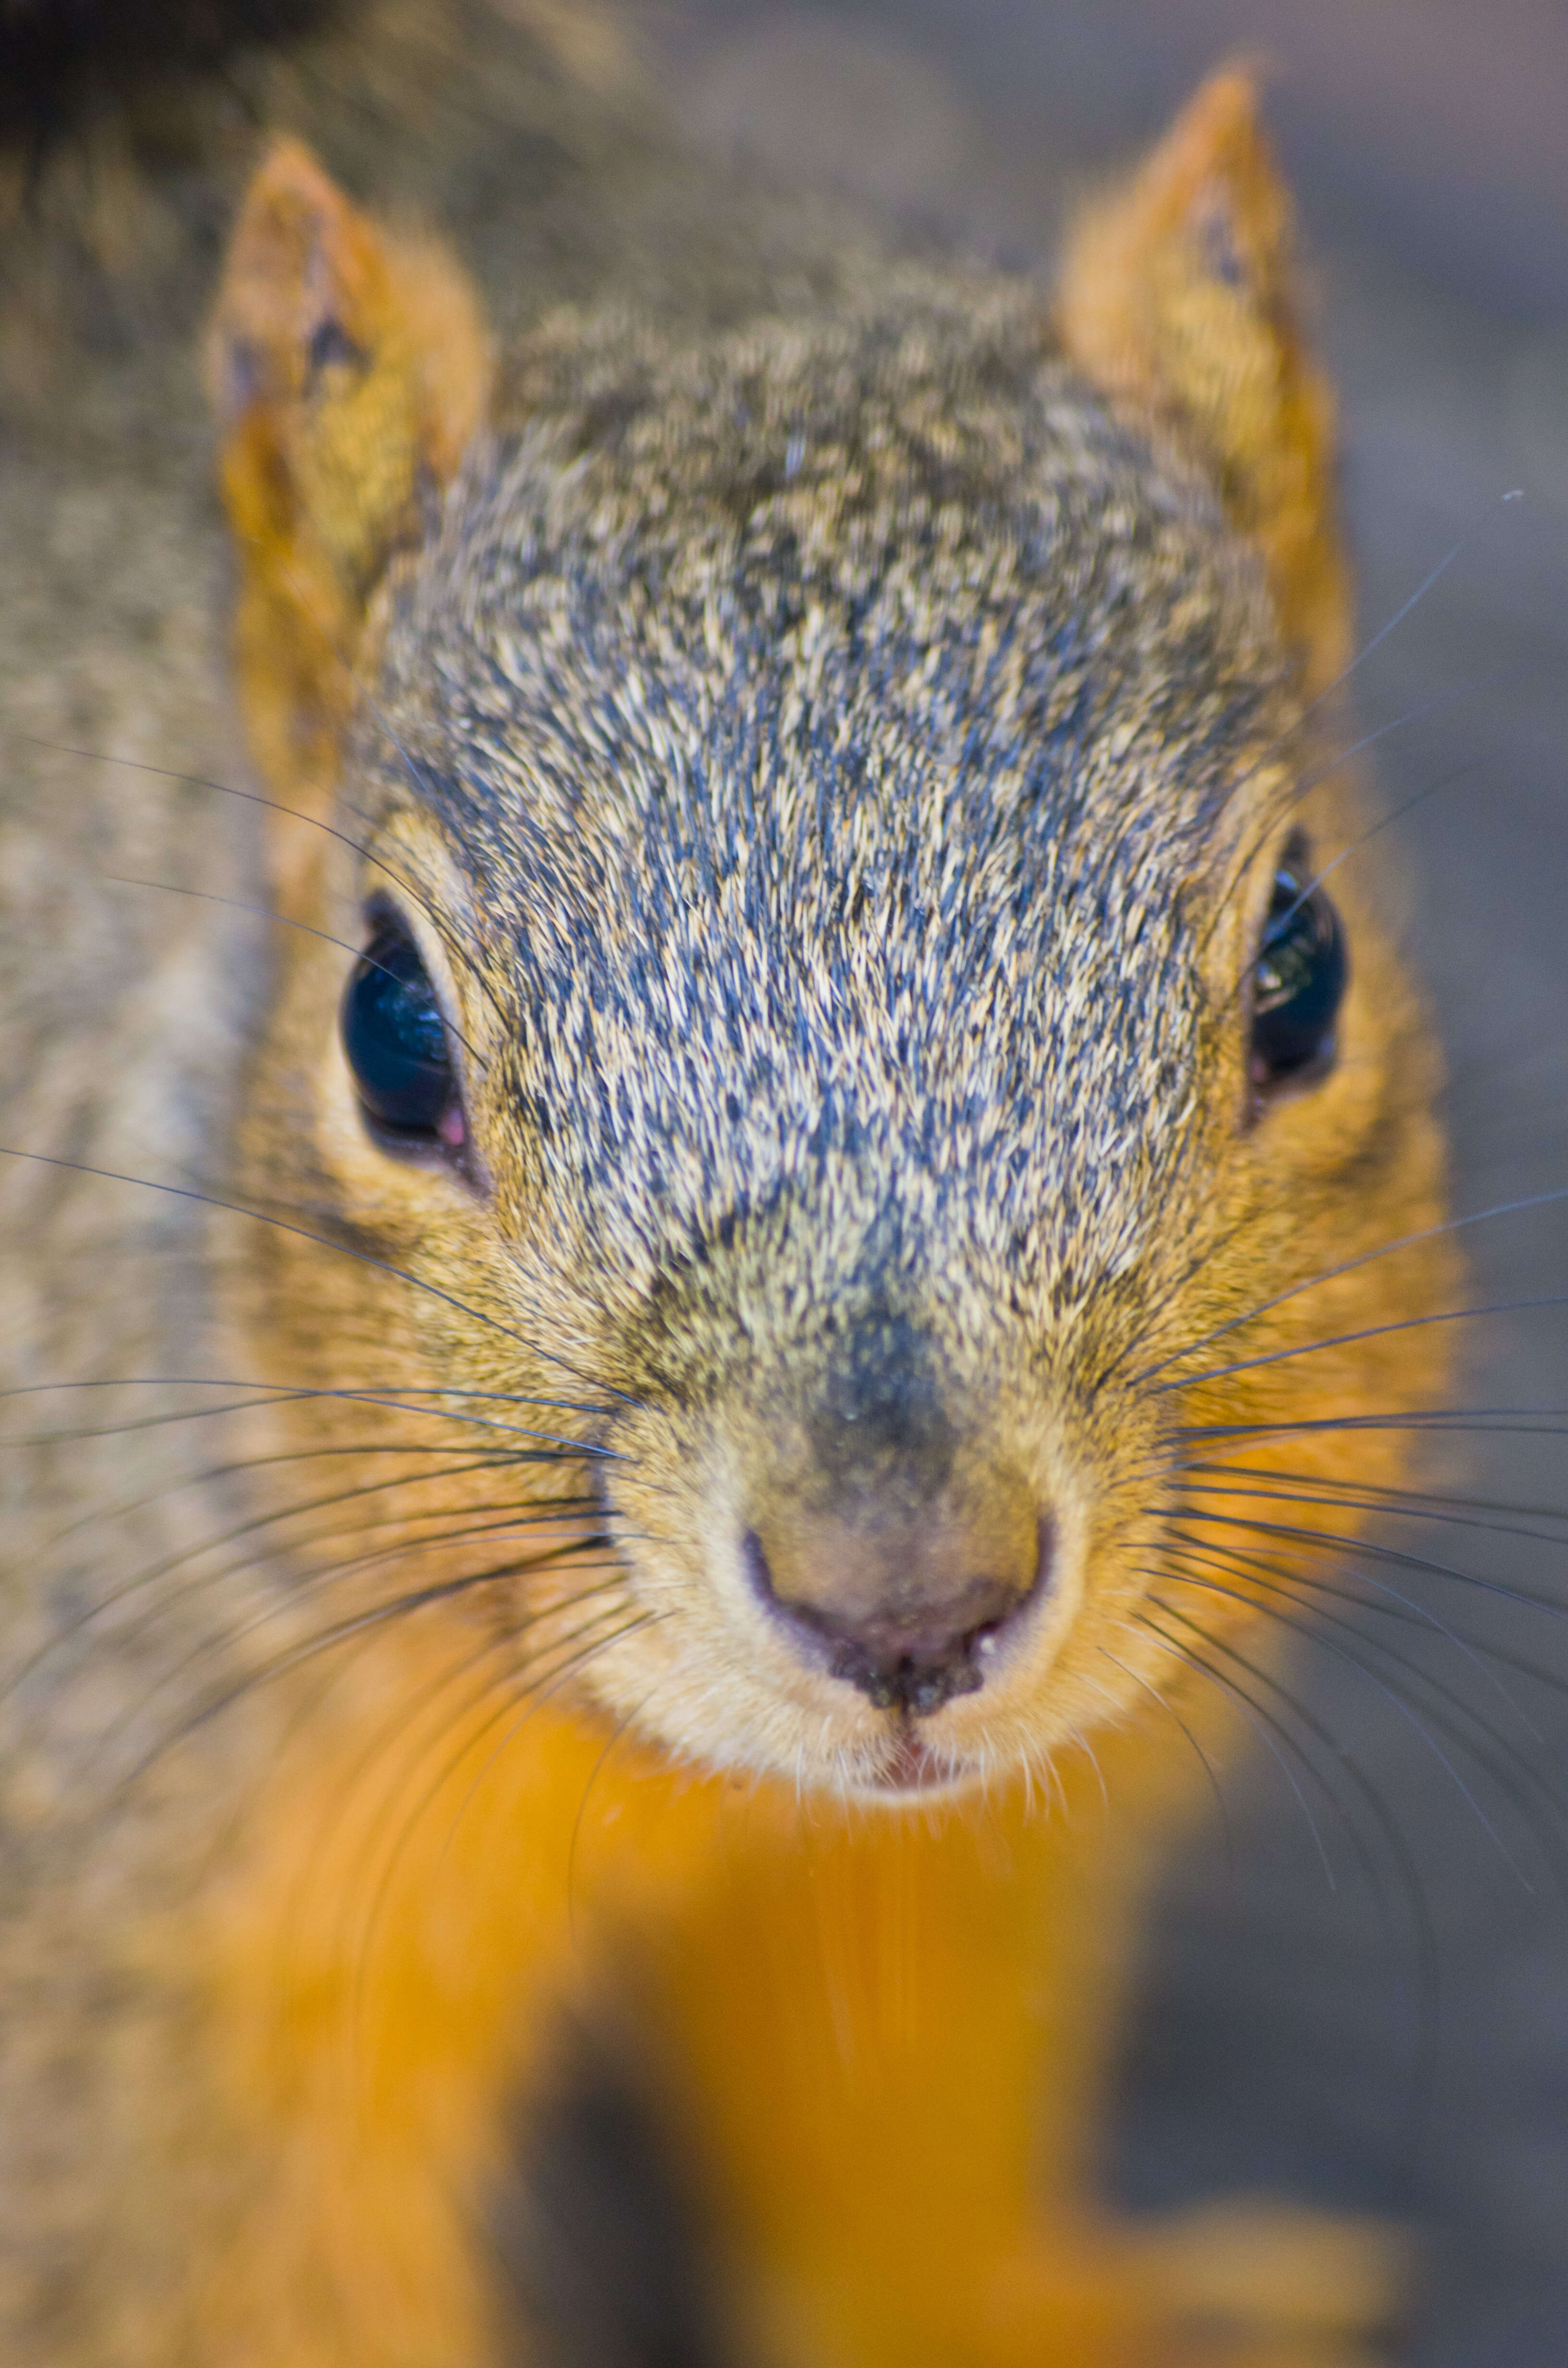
1298 984
395 1040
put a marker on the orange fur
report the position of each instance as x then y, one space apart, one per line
879 2036
1178 297
351 370
847 2003
417 1896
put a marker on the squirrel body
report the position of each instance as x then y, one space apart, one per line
643 1481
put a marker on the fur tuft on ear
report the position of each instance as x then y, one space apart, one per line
349 370
1178 300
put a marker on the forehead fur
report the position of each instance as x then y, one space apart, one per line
835 717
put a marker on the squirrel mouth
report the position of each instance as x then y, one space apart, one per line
913 1766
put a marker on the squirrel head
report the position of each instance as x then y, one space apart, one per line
813 992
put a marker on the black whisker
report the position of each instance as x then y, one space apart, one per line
1296 792
1396 1691
150 1574
1363 838
1412 1509
1348 1265
287 921
1380 1495
1282 740
494 1648
1423 2070
1370 1332
1401 1557
1402 1608
323 1241
277 1392
375 1616
1274 1737
206 1651
1509 1422
292 814
1222 1805
378 1616
206 1475
515 1708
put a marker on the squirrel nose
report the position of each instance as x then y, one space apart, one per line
913 1609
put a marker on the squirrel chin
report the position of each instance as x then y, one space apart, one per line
909 1767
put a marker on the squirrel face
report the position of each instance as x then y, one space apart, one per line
832 1030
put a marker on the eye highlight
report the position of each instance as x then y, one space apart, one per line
1298 984
395 1042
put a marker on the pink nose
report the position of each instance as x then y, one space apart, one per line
913 1609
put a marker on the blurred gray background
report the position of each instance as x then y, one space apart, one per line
1401 2040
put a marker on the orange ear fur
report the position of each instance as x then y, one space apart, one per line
349 370
1177 298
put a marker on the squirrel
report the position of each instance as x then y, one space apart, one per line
634 1326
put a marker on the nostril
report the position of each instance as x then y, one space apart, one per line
902 1626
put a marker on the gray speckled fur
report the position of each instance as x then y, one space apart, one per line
821 808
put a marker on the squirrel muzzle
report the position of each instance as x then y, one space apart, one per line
912 1604
896 1554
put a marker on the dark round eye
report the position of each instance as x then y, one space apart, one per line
1298 984
395 1039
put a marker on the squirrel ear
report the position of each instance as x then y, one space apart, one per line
349 370
1176 299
